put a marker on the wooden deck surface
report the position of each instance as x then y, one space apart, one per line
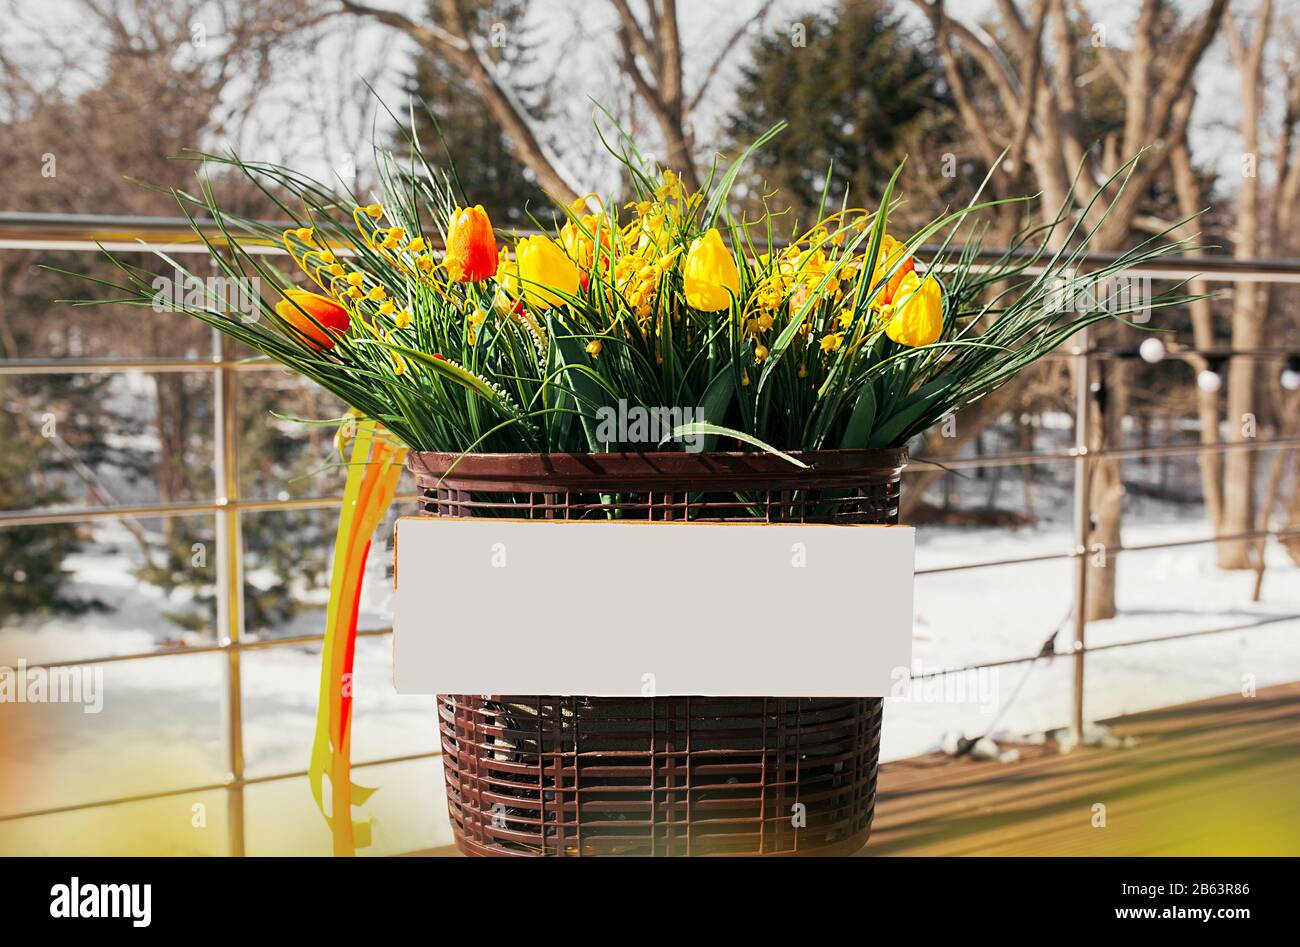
1216 777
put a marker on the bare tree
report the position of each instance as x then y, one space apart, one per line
455 42
650 54
1049 128
1187 189
1263 223
158 84
1247 310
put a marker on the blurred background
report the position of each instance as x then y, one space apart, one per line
136 454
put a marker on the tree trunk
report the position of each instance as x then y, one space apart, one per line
1207 402
1247 314
969 423
1106 493
1239 465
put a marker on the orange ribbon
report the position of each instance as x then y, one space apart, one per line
374 467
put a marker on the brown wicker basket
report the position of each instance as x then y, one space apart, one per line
547 775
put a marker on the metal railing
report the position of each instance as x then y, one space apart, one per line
89 232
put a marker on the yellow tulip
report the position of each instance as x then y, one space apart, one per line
540 267
709 273
917 312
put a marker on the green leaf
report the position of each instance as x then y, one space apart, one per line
703 427
910 410
716 400
861 419
571 355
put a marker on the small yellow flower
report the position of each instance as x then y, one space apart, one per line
304 234
502 302
335 270
417 245
356 279
402 319
760 354
671 188
399 364
387 308
593 347
325 256
477 317
374 211
832 342
377 293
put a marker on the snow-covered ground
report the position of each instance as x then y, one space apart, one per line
163 720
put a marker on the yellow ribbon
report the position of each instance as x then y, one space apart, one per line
374 467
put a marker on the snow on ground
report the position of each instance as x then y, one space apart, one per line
163 720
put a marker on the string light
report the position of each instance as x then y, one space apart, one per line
1291 374
1152 350
1210 378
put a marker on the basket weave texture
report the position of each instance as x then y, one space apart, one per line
574 775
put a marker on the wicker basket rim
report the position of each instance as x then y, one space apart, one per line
878 461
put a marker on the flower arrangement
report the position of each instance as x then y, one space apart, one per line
838 335
451 337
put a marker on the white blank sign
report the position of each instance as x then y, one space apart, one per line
495 606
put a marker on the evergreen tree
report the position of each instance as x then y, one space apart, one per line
858 92
32 575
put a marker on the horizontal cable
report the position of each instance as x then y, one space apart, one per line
82 366
167 510
88 232
227 784
86 366
171 510
1140 547
1026 458
262 644
224 645
412 757
1006 662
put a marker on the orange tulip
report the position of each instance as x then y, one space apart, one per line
317 318
471 246
890 251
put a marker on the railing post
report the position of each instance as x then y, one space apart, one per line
230 581
1082 520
